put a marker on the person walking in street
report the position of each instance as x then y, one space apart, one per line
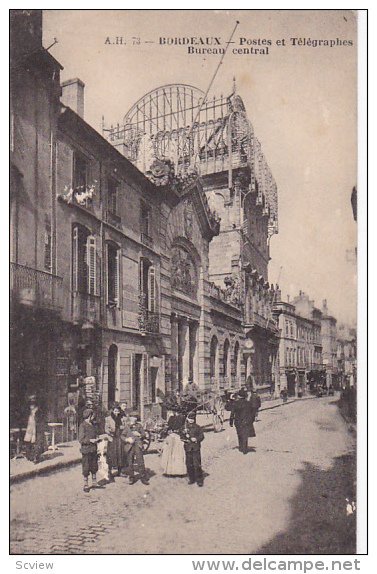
173 458
115 448
192 437
88 440
35 432
242 417
132 437
255 402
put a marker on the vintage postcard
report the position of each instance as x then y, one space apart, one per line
183 268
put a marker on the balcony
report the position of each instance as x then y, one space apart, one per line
85 307
255 319
113 219
34 288
149 323
147 240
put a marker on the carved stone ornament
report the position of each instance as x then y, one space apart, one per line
183 272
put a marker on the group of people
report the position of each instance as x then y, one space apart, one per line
124 434
181 453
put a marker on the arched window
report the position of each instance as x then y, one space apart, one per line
214 360
226 361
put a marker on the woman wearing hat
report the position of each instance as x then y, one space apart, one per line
113 429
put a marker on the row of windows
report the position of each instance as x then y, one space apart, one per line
303 333
86 264
301 356
81 182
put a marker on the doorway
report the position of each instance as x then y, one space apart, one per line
112 375
136 379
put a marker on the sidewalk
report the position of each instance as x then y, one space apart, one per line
68 454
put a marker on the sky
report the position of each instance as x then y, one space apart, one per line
301 100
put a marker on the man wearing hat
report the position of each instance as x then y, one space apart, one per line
132 437
192 436
242 417
88 440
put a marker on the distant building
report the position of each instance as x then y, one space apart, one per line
347 356
329 345
300 349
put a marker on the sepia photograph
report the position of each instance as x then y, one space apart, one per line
183 282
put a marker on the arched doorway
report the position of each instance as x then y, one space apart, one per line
112 376
214 361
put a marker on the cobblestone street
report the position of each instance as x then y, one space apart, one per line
288 495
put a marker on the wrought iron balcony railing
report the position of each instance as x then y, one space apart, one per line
85 307
35 288
149 322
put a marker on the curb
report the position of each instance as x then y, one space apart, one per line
44 470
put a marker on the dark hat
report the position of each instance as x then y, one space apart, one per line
87 413
242 393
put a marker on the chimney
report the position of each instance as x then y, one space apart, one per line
73 95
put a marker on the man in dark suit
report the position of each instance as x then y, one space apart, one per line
192 436
242 417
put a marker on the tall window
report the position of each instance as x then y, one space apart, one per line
113 259
80 172
144 218
148 285
84 265
48 248
112 191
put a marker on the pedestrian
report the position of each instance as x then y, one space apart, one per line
132 437
255 402
173 458
115 448
242 417
35 439
88 439
193 436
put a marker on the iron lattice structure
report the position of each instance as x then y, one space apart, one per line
173 123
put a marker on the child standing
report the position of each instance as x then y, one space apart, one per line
88 439
192 436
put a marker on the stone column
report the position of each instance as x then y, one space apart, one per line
194 354
174 353
184 351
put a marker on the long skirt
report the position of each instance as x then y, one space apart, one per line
173 458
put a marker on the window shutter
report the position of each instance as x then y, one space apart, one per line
75 259
92 276
116 277
147 397
152 290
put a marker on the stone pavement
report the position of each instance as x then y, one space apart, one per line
68 454
288 495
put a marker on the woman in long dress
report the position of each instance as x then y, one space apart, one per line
173 458
113 429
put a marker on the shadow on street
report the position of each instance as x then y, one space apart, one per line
319 522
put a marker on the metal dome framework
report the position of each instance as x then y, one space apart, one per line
173 122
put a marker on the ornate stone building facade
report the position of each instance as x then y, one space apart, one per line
173 131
